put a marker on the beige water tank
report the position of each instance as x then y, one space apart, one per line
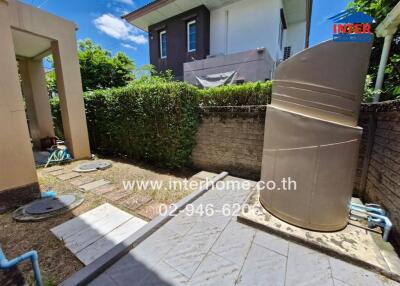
311 134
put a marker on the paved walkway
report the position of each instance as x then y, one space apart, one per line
217 250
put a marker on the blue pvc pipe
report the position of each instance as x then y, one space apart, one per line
386 223
31 255
48 194
370 208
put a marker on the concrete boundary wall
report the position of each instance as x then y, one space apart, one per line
231 139
378 176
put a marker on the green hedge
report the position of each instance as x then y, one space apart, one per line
151 122
56 112
252 93
155 120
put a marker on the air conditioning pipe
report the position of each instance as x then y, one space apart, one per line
375 219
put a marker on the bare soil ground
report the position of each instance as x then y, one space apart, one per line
56 261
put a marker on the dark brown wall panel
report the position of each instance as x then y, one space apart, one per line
177 52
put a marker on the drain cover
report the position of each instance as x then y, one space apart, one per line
49 205
93 166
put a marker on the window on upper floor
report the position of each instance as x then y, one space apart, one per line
286 52
282 26
163 44
191 36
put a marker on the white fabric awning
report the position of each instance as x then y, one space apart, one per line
218 79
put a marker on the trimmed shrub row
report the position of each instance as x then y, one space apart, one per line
155 121
252 93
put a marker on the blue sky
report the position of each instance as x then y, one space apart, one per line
321 28
100 21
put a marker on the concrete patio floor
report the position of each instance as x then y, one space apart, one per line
218 250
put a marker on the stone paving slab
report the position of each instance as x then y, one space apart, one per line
104 189
188 255
157 246
57 173
263 265
136 202
234 250
204 175
272 242
53 169
349 274
81 181
93 185
68 176
72 226
116 195
353 244
109 240
215 270
93 233
310 268
150 210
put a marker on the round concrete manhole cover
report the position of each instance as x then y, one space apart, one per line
49 205
93 166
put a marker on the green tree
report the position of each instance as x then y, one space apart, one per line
51 81
379 9
99 69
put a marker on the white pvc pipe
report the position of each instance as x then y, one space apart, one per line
382 64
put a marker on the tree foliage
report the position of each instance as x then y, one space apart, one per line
51 79
99 68
379 9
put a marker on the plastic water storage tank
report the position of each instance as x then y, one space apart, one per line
311 134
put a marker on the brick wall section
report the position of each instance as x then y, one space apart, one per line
366 122
230 139
382 183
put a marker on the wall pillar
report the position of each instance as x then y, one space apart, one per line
37 100
71 96
18 179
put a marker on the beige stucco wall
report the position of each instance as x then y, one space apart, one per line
28 18
17 167
16 163
64 49
33 84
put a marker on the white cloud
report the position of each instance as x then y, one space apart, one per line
127 2
129 46
138 39
119 29
121 11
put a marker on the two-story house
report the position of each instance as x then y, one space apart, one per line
219 40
